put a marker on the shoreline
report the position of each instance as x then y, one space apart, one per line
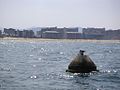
46 39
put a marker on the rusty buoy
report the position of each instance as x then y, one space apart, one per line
81 64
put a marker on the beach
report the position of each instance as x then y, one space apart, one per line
61 40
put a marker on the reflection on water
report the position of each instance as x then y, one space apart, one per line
42 65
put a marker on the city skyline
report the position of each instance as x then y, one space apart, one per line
63 33
61 13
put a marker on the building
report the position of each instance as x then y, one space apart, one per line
52 35
74 35
93 33
19 33
71 29
38 34
112 34
0 33
9 32
48 29
52 32
28 34
57 32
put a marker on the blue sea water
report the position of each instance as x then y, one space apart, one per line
32 65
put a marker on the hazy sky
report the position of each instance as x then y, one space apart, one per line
61 13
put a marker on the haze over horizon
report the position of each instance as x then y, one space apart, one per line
61 13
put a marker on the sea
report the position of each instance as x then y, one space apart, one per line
42 64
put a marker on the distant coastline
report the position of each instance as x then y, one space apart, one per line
63 33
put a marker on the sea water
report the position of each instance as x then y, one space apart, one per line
41 65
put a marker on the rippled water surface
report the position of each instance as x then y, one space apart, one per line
41 65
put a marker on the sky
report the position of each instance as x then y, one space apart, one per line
61 13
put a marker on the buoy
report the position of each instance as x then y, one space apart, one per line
81 64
